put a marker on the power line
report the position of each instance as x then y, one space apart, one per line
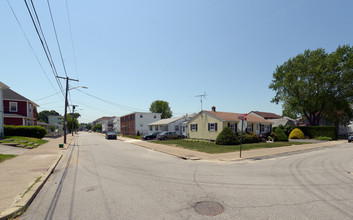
72 41
43 41
30 45
111 103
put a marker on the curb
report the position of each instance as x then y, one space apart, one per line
24 201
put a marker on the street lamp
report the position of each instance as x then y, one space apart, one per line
66 103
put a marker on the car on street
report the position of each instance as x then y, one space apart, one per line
151 135
168 135
350 138
110 135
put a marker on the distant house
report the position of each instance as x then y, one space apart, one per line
2 87
55 119
137 122
18 110
171 124
208 124
276 119
116 124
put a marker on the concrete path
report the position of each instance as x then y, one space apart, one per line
22 177
12 150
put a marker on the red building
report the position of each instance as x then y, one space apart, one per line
18 110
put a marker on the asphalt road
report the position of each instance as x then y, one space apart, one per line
110 179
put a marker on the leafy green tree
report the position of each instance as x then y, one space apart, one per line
43 115
160 106
69 123
97 127
89 126
316 84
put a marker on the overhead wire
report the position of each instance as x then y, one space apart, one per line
44 44
30 45
111 103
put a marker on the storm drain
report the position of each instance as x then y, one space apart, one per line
208 208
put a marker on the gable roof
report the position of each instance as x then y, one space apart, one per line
9 94
229 116
267 115
166 121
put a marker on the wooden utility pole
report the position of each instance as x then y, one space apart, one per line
66 103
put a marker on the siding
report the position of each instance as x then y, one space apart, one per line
202 127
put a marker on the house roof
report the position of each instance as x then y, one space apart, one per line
166 121
229 116
103 118
9 94
3 86
267 115
282 121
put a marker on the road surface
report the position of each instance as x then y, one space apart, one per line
111 179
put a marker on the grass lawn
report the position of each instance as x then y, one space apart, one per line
133 136
18 139
6 156
217 149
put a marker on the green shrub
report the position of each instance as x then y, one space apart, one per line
324 138
273 135
138 133
197 140
281 136
296 134
317 131
227 137
25 131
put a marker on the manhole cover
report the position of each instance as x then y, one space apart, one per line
208 208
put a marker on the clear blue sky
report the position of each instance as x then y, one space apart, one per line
134 52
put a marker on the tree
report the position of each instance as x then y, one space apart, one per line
69 123
316 84
97 127
160 106
43 115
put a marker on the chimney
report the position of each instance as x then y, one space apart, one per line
213 108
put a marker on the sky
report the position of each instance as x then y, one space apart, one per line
131 53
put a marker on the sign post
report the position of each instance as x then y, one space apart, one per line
242 126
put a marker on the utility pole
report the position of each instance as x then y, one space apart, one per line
201 96
66 103
72 118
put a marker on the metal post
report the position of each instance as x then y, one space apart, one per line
72 119
241 140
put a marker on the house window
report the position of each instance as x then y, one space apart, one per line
151 128
193 127
233 126
250 127
154 116
141 116
156 128
212 126
176 128
141 125
13 106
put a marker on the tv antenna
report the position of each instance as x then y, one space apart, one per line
201 96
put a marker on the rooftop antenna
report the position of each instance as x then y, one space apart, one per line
201 96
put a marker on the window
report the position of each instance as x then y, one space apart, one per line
141 125
13 106
212 126
176 128
233 126
141 116
154 116
151 128
193 127
250 127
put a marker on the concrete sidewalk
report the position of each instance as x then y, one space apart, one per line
22 177
232 156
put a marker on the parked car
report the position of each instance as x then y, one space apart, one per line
110 135
168 135
151 135
350 138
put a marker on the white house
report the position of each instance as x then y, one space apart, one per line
116 124
176 124
2 86
137 122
